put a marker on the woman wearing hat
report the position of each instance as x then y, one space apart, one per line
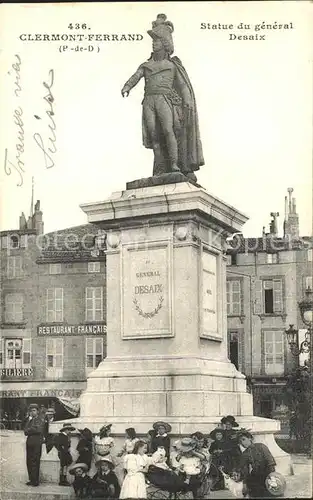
103 442
82 482
219 456
161 438
256 464
105 483
233 451
63 445
84 447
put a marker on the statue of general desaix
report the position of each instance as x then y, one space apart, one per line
169 114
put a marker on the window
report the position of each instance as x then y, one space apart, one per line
233 259
1 352
308 282
24 241
14 242
54 357
93 267
233 348
274 352
55 269
13 308
268 296
27 343
14 269
54 305
310 254
233 290
272 258
94 304
94 353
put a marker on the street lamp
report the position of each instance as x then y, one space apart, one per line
293 340
306 310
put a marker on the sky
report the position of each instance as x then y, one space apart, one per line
254 100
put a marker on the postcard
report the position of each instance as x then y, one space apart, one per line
156 248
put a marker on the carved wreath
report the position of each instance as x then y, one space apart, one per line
149 314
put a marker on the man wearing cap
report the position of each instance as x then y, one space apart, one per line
34 430
169 113
63 445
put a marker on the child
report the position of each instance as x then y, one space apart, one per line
82 482
219 457
105 483
104 443
161 437
84 447
63 445
135 464
130 441
191 466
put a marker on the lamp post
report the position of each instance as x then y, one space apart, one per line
303 381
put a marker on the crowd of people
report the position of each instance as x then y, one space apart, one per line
227 458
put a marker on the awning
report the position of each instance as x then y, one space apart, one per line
42 389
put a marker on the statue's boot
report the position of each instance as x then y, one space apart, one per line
191 176
174 168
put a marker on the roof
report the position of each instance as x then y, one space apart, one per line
71 244
268 244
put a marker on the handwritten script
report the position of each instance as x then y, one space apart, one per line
19 165
48 147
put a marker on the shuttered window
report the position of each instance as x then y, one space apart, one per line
54 304
233 297
54 357
274 361
268 296
94 352
94 304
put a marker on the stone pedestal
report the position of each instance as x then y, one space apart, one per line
166 316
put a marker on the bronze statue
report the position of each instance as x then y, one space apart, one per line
169 113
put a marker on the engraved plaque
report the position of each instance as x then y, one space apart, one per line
147 290
209 296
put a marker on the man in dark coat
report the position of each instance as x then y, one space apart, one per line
257 463
34 430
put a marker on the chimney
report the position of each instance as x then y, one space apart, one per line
37 222
273 224
291 223
30 223
263 232
23 222
290 191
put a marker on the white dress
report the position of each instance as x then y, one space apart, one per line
134 485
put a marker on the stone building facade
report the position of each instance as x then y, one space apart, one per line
266 279
53 315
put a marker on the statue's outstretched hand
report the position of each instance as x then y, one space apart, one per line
125 93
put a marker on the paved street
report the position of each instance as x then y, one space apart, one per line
13 474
